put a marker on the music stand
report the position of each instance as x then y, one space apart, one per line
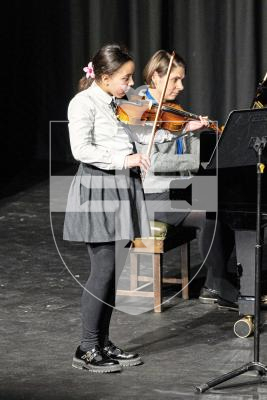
243 143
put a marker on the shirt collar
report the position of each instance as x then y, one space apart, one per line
100 93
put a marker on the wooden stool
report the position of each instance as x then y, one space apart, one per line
165 237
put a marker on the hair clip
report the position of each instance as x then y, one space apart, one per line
89 70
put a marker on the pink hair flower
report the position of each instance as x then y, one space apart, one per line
89 70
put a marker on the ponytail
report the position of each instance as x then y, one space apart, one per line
85 83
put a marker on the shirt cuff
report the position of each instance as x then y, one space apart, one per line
118 160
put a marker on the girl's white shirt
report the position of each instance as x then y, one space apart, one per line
97 137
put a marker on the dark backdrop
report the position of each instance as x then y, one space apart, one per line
223 43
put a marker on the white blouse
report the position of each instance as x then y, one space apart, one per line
97 137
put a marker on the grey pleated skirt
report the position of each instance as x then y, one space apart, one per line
105 206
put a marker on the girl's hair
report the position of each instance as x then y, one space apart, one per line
159 63
106 61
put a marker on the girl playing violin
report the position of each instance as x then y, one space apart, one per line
106 207
182 158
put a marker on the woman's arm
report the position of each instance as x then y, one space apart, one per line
142 133
164 159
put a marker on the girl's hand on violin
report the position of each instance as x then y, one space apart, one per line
196 125
137 160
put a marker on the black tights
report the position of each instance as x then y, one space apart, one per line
107 262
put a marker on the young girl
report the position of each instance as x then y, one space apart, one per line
182 158
106 207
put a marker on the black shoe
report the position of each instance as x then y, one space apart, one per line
264 300
95 361
227 305
124 358
208 296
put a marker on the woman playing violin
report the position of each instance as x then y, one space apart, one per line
182 158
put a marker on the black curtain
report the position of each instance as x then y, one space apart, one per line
223 43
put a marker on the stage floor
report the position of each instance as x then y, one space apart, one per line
187 344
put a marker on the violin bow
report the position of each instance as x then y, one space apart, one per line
152 136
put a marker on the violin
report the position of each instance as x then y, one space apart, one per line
172 116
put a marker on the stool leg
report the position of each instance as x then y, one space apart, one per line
134 260
157 260
185 263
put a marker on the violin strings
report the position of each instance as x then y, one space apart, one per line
180 112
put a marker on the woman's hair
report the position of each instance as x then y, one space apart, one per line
159 63
106 61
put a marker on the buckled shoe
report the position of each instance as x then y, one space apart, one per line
124 358
95 361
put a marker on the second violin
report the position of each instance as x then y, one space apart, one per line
172 116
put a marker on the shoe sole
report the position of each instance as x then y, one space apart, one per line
130 363
79 364
205 300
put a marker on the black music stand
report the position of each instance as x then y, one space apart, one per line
243 143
